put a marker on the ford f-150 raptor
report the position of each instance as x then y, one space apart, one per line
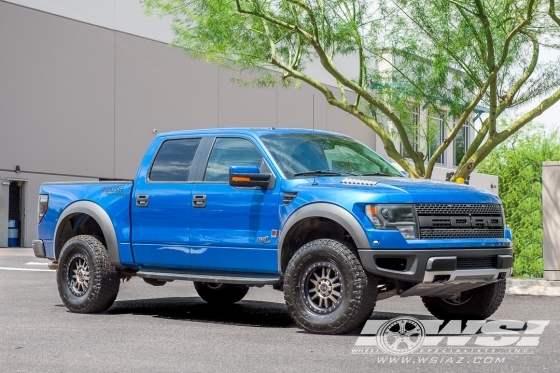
316 214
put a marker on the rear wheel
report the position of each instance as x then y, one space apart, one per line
221 294
475 304
326 288
87 282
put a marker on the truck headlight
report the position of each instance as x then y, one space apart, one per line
398 217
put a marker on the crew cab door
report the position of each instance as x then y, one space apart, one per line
233 229
161 205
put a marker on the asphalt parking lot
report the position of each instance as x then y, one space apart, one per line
170 329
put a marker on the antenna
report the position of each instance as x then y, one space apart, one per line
313 124
313 105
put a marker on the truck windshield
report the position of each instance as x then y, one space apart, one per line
304 155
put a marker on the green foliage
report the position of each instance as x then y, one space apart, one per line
518 163
448 56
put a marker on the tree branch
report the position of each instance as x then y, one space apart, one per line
552 12
353 110
490 58
507 102
491 143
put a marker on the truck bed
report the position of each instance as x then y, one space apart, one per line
112 196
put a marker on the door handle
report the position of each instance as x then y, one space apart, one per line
199 201
142 200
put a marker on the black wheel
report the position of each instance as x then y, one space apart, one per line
220 293
326 288
475 304
87 282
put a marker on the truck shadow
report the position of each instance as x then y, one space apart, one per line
246 313
392 315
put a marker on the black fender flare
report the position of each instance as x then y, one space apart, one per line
328 211
103 220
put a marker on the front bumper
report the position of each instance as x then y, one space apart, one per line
435 271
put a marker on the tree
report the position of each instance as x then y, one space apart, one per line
518 164
452 56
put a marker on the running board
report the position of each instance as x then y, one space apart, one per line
244 279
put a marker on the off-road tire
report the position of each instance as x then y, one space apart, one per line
358 289
220 294
481 304
104 279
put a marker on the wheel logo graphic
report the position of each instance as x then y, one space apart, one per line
401 336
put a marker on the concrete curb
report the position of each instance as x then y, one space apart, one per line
532 286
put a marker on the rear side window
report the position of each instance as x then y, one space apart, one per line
173 160
230 151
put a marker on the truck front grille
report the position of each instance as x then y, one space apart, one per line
459 209
427 233
448 221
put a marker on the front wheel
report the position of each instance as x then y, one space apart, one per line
326 288
220 294
475 304
87 282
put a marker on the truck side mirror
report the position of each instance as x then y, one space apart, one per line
248 176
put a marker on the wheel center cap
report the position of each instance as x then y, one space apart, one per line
325 288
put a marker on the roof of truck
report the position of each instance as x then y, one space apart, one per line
248 130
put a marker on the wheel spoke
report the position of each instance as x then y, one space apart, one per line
323 287
408 342
395 343
415 331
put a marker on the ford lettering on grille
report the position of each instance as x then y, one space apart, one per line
437 221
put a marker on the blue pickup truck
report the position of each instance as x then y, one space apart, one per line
317 215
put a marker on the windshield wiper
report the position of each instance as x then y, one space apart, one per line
380 174
322 173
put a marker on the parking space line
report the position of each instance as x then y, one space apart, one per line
26 269
37 264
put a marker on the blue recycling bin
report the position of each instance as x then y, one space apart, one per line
13 233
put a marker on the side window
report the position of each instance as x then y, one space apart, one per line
173 160
230 151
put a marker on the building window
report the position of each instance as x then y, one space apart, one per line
411 129
435 134
461 143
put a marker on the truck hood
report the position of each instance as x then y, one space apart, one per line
406 190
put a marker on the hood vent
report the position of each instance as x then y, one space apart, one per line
288 197
350 181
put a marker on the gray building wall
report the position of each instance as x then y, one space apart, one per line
80 102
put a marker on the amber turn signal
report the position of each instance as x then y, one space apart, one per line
242 179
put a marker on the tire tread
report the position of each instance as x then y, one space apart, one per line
105 284
362 300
